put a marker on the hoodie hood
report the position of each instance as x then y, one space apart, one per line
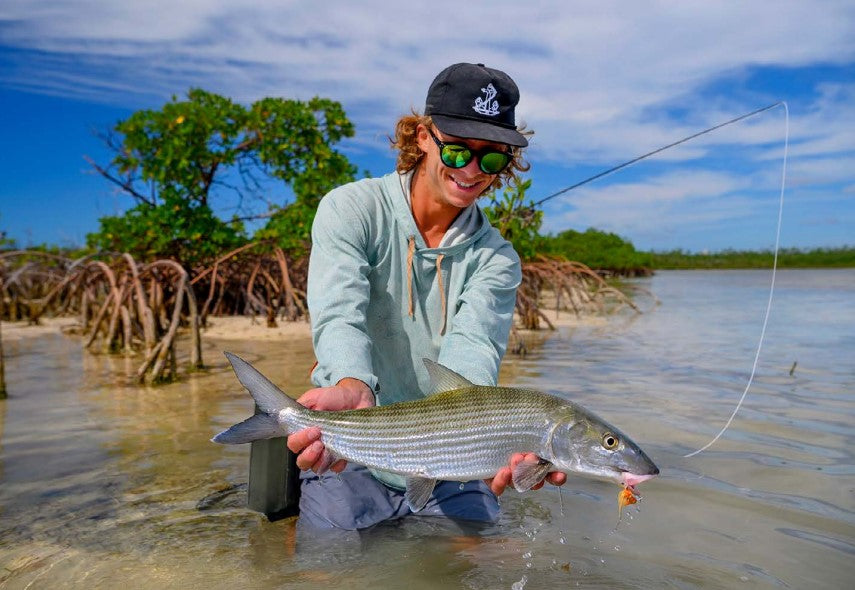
467 227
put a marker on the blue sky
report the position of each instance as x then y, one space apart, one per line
601 83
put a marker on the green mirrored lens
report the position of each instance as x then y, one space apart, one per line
456 156
494 162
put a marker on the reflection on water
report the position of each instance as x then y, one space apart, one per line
104 484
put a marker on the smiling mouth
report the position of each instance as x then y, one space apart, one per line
464 185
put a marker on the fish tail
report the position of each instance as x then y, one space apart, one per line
258 427
269 399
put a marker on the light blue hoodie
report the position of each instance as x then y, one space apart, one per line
378 305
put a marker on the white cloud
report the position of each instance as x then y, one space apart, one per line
684 196
576 61
819 171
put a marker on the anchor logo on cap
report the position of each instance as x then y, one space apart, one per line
487 106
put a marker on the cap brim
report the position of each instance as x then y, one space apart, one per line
470 129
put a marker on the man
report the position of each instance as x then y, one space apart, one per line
406 267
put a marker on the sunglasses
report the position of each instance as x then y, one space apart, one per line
456 155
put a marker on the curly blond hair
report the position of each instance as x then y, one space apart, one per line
410 154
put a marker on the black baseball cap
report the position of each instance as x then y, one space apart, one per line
475 102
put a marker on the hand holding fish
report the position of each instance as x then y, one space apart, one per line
504 477
348 394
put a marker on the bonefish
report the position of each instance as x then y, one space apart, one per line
461 432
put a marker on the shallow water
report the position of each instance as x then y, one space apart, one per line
104 485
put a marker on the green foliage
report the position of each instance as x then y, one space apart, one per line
517 220
787 258
171 160
178 229
290 227
598 249
6 242
322 170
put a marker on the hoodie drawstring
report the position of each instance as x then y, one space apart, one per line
411 249
441 290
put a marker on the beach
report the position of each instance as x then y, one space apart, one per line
254 328
13 331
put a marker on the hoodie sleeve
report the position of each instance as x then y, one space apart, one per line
338 291
478 338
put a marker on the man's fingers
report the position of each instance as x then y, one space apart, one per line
516 458
310 456
500 481
311 452
309 399
557 478
303 438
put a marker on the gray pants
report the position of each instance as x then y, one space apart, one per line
354 500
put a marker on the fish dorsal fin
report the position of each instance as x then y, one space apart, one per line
418 492
444 379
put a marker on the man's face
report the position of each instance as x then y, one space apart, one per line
458 187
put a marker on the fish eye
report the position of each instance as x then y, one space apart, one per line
610 441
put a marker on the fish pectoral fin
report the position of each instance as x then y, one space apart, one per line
527 474
444 379
418 492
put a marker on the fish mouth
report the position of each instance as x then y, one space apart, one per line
632 479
